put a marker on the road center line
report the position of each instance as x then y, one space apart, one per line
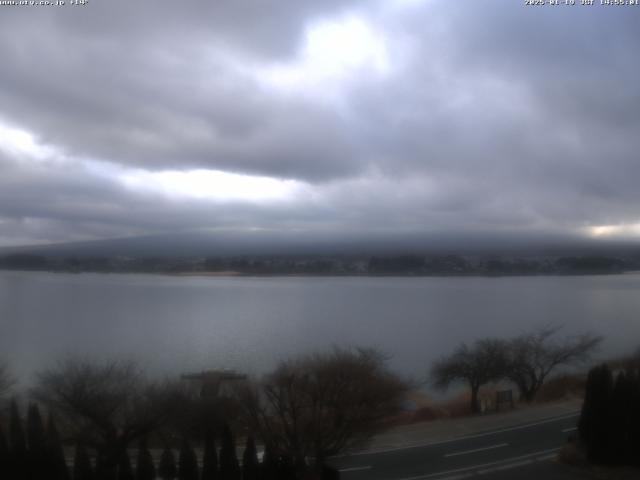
569 429
500 445
355 469
543 454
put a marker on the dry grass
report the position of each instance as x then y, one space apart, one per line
426 409
572 455
562 388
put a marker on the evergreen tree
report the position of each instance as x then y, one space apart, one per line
250 464
82 469
330 473
57 463
594 420
269 467
229 467
286 468
187 462
620 418
37 446
104 469
125 472
635 419
210 458
18 450
167 467
145 470
4 457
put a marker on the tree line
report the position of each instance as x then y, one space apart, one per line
327 264
308 409
37 453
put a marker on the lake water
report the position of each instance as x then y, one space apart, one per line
175 324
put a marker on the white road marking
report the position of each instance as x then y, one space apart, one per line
503 464
569 429
355 469
451 440
508 466
456 454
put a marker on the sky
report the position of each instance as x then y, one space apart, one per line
122 118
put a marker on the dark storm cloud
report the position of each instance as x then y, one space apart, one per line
491 116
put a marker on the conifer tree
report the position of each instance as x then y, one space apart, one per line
4 457
229 467
82 469
125 472
269 466
167 467
57 463
18 449
250 464
620 418
38 464
330 473
594 420
104 469
635 419
210 458
286 468
145 469
188 462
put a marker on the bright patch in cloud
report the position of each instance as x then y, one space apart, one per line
622 231
407 3
211 185
15 141
333 50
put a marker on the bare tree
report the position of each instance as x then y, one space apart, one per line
323 404
483 362
107 405
533 356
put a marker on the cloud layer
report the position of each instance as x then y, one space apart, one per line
122 118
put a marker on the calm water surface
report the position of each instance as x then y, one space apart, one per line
173 324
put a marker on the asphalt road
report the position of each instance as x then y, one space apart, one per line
529 448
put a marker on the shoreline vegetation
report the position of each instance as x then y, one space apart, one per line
91 400
329 266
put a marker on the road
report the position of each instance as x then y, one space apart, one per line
528 448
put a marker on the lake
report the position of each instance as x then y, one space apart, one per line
174 324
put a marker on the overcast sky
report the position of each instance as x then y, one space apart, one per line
124 118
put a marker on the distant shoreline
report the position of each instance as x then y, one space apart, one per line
236 274
332 266
224 273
